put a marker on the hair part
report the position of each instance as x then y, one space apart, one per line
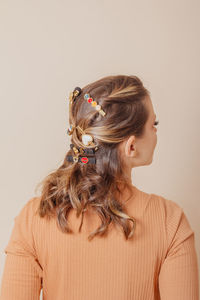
80 186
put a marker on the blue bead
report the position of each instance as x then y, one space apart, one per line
86 96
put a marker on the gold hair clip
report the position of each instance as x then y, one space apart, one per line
94 104
87 139
76 92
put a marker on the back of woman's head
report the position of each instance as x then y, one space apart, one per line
75 185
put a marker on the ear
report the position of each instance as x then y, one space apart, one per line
130 146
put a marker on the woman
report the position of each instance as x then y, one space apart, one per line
92 234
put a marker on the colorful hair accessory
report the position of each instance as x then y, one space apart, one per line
87 139
83 160
82 150
94 104
70 129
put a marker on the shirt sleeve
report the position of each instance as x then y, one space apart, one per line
179 274
22 274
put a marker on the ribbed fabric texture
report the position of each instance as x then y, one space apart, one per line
160 262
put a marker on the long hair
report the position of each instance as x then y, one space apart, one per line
81 186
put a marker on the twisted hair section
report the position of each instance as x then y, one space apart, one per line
98 186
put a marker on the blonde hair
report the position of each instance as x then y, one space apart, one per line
77 186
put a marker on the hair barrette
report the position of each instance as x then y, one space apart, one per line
90 100
81 150
83 160
87 139
76 92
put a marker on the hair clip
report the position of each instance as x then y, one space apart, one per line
83 160
87 139
70 129
94 104
72 96
82 150
76 92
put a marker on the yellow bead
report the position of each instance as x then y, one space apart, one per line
94 103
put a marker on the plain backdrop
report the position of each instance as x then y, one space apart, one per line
47 48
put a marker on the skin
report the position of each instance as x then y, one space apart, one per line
139 151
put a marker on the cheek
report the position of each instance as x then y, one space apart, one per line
153 136
156 139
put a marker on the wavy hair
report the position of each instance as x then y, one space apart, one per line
80 186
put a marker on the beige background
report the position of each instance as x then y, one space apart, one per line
49 47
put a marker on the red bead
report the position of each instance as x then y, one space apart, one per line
90 100
84 160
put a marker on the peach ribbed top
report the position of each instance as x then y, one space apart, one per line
159 263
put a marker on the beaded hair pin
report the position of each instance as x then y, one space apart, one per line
87 139
94 104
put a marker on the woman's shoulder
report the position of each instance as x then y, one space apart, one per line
29 208
171 213
160 205
165 204
170 210
21 239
